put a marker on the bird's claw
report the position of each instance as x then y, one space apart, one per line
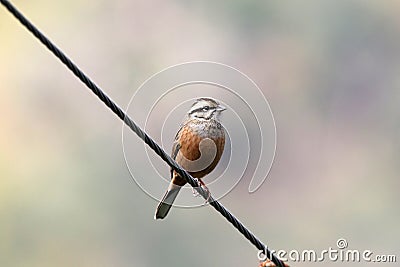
195 193
204 187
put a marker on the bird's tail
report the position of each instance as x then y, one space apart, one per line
165 205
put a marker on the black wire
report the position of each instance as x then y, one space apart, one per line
131 124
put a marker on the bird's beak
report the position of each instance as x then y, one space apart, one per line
221 108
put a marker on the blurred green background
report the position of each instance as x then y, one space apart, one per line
330 70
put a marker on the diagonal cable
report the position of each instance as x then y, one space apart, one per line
134 127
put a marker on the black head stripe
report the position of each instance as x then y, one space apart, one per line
205 99
201 109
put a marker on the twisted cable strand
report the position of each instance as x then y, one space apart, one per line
142 135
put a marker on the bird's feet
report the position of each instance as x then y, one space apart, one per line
205 188
194 191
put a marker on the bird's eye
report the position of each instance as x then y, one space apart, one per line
206 108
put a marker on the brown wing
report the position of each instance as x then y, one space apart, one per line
189 145
186 145
176 146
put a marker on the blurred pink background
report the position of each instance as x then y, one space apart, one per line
329 69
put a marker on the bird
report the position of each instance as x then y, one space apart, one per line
197 148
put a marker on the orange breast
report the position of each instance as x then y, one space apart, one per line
189 141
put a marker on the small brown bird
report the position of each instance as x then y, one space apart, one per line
197 148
